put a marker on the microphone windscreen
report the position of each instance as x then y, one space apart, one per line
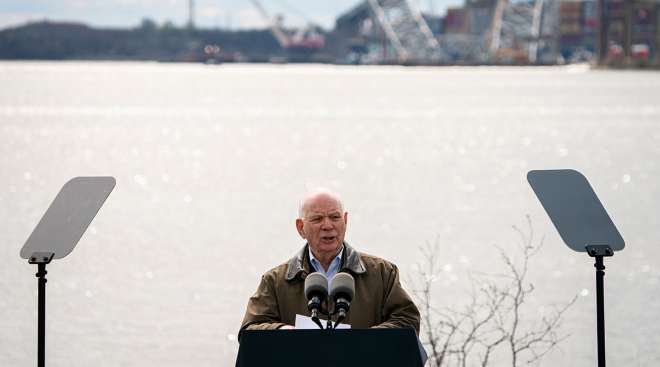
343 283
316 284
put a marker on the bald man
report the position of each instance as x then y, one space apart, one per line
379 302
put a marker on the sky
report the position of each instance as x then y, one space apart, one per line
233 14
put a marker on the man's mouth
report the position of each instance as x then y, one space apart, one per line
328 238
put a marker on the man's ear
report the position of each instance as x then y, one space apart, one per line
345 218
299 227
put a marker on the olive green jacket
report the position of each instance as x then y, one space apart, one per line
379 301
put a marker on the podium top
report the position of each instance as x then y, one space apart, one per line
574 209
331 348
68 216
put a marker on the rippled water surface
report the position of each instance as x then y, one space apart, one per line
210 162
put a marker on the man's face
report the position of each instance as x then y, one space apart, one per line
323 225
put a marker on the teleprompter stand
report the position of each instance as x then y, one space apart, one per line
58 232
41 259
329 348
583 225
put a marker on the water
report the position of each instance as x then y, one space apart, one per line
211 161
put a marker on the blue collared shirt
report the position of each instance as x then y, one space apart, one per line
333 269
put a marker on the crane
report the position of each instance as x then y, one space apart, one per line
306 38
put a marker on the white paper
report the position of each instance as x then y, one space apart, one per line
305 322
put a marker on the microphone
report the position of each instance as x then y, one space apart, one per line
316 291
342 293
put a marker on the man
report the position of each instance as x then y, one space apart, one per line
379 302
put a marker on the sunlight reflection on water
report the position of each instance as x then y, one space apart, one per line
210 163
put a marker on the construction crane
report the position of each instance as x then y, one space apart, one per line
304 39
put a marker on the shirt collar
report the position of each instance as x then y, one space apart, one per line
298 264
317 264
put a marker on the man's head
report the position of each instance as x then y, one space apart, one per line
322 222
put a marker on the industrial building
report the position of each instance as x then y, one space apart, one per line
613 32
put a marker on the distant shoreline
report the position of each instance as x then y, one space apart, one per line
56 41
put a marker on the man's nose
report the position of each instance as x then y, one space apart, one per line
326 223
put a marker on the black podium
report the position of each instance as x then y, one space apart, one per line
331 348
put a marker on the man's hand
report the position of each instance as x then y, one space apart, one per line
287 327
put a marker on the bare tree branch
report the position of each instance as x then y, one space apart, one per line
493 318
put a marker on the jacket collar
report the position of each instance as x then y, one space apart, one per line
299 264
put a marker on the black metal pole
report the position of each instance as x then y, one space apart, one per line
627 32
600 309
328 325
601 43
41 309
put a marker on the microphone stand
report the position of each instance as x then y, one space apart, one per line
341 317
325 311
315 318
314 305
328 324
341 308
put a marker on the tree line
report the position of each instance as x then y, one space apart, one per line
148 41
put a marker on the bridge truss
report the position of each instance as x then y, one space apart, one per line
406 30
525 30
519 31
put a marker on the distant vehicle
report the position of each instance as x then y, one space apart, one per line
581 55
640 51
214 54
614 51
307 38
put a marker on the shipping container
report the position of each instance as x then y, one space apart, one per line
570 7
479 20
589 9
567 29
616 30
615 8
455 21
590 25
643 14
